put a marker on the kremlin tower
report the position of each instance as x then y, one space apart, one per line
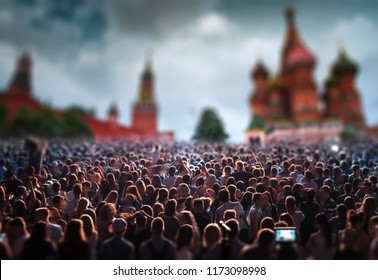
144 116
288 107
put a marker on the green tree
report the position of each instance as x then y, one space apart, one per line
47 123
210 127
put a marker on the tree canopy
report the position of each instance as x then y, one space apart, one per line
210 127
48 123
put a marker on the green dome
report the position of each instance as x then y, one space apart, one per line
332 82
257 123
344 64
275 84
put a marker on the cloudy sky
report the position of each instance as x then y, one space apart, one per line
91 52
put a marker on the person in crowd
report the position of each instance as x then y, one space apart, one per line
157 247
74 245
117 247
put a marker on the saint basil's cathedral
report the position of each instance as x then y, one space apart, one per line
289 107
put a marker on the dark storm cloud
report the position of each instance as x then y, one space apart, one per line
47 26
154 18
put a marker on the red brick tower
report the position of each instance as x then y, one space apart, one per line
144 116
297 76
349 107
21 82
19 93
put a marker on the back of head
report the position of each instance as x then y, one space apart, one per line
157 226
265 237
170 207
267 222
224 195
310 194
211 234
41 214
233 224
290 202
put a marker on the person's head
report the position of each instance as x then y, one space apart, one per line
158 208
39 232
56 187
224 195
229 214
77 190
349 203
184 236
162 195
198 205
369 205
233 224
41 214
74 231
112 197
16 228
157 226
265 238
211 234
267 222
19 209
156 181
290 203
246 200
170 207
287 218
310 194
107 212
356 219
88 225
172 171
259 199
118 227
183 191
324 193
347 188
372 229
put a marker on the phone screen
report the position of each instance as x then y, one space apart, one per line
286 235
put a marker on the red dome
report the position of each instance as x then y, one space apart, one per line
299 55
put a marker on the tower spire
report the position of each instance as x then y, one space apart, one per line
21 81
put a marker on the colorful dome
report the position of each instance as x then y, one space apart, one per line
332 82
299 55
260 71
275 84
344 64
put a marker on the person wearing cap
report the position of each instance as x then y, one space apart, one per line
117 247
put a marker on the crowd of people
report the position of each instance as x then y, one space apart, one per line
143 200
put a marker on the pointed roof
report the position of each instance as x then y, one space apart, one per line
294 51
20 83
292 37
260 70
147 72
344 64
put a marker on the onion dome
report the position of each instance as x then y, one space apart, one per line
260 71
300 55
332 82
275 84
344 64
